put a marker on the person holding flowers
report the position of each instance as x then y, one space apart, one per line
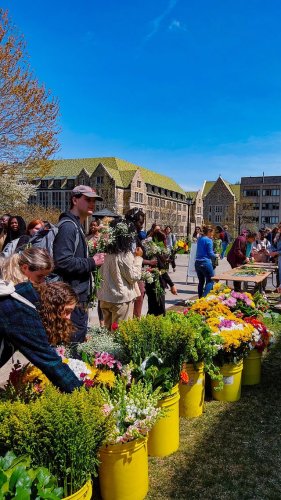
203 262
120 273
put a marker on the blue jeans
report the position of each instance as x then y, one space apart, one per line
205 272
224 247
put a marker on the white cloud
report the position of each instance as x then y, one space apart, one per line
158 20
176 26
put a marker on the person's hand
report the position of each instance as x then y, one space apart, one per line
152 262
99 259
138 252
273 254
247 260
174 290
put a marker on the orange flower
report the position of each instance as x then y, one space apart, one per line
184 378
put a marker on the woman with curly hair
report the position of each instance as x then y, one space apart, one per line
57 301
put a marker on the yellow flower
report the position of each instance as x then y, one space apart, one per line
105 377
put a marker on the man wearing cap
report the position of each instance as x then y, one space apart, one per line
71 260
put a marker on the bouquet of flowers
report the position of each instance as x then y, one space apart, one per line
108 235
152 249
242 303
152 275
134 410
262 337
236 335
180 247
25 383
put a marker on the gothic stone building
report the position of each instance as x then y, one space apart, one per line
221 201
123 185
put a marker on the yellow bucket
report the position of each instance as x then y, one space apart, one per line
85 493
164 437
192 393
123 472
251 374
231 391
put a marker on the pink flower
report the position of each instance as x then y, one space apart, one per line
61 351
83 375
88 382
106 409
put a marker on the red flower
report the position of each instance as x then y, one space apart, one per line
114 326
184 378
88 382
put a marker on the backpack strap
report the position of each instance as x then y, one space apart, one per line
78 230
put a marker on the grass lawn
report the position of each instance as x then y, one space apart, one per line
233 451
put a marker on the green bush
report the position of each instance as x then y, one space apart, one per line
18 480
62 432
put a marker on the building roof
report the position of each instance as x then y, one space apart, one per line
121 171
234 188
191 194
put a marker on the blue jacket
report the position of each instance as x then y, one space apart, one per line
205 249
22 329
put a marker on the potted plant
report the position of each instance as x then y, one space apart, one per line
123 471
200 349
261 339
62 432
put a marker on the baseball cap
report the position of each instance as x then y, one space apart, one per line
87 191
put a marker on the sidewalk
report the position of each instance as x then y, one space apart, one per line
185 290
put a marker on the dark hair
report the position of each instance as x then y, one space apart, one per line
135 215
123 237
251 234
207 229
12 235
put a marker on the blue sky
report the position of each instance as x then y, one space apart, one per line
191 89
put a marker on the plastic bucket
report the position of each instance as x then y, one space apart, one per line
123 472
84 493
251 374
232 374
164 437
193 392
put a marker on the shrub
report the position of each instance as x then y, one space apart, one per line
62 432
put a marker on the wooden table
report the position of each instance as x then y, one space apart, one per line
230 276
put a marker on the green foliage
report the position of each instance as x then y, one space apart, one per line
157 346
99 339
60 431
19 481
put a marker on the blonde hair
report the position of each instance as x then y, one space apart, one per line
37 259
10 270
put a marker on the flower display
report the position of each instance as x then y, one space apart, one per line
262 337
180 247
134 410
25 383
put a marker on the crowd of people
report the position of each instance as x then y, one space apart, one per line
46 287
250 246
49 274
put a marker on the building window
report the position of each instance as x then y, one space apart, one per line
198 221
218 208
44 184
157 202
179 218
168 204
270 220
57 184
209 218
217 218
199 210
56 199
139 184
99 179
183 218
184 208
179 207
43 198
149 200
251 192
210 208
70 183
163 203
156 215
67 195
271 192
174 206
149 214
270 206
